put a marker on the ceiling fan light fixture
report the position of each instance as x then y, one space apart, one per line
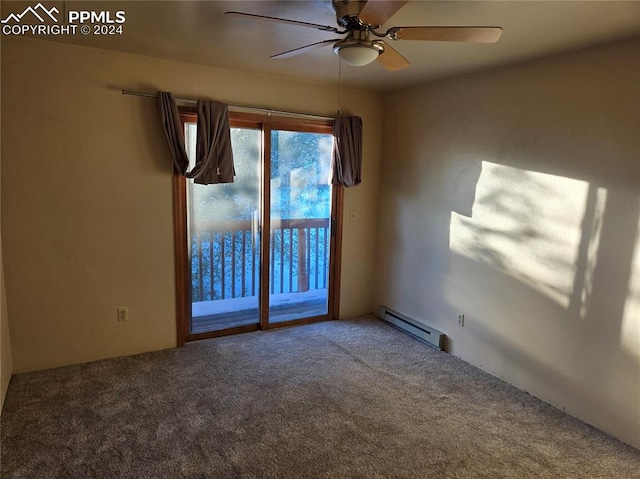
358 53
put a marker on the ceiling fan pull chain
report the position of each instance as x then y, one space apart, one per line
339 82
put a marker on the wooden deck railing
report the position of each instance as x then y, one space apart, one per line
225 259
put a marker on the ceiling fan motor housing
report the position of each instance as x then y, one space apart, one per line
347 12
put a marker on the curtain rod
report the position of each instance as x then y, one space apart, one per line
257 108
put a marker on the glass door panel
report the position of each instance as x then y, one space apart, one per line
300 233
224 251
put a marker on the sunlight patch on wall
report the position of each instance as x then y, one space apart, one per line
536 227
592 228
630 330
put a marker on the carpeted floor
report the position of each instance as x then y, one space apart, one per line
343 399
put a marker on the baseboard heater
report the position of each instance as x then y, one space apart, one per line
420 331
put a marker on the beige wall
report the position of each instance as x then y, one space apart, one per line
87 201
513 197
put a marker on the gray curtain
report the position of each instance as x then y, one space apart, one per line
173 130
213 149
214 158
346 169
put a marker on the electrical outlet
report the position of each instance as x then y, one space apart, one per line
123 315
461 320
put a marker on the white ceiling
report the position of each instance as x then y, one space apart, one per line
199 32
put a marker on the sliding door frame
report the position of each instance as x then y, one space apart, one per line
266 124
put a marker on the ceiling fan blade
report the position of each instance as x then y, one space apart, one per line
391 59
306 48
377 12
324 28
446 34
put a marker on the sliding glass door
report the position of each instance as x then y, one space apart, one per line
258 252
300 236
224 251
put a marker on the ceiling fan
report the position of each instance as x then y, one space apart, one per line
360 20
